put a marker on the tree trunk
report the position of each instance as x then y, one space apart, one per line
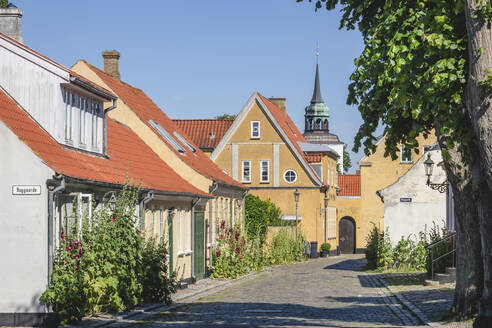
469 274
479 106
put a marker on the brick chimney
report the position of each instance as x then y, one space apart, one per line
280 102
10 22
111 58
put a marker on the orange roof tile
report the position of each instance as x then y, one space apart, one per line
313 157
128 153
206 133
147 110
349 184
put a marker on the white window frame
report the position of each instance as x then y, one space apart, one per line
405 161
253 136
243 180
68 115
285 174
95 112
267 180
82 119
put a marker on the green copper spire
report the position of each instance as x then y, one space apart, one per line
317 113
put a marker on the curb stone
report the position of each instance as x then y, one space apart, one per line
411 307
394 305
149 310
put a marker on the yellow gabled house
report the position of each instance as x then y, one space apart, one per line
264 150
189 226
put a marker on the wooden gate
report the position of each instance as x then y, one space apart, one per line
199 251
346 233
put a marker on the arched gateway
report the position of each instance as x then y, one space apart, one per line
346 235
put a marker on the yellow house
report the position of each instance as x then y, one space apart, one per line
378 172
264 150
189 225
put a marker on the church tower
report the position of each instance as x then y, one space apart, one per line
316 120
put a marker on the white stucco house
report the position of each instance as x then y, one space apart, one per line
410 205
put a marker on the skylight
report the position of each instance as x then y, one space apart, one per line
184 142
169 138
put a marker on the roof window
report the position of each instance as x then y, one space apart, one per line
169 138
184 142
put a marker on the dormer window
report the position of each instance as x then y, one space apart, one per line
168 137
83 120
255 129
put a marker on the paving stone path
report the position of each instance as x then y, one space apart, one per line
329 292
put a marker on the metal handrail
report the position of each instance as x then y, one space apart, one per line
430 248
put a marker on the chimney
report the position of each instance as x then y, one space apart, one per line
357 172
111 58
280 102
10 22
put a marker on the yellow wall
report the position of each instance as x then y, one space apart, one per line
126 115
378 172
311 197
351 206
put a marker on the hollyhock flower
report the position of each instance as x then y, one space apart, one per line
113 218
240 257
77 267
76 258
238 249
218 254
244 241
237 235
222 225
221 236
69 247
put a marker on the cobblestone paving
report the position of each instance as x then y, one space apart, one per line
434 302
319 293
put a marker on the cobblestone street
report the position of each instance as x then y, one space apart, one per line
329 292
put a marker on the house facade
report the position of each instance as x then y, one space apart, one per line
265 151
350 235
410 205
60 148
196 226
378 172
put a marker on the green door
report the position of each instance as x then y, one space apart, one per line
199 251
170 241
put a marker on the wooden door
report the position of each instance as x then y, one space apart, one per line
199 251
346 233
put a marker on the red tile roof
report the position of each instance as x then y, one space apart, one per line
147 110
314 157
206 133
72 73
349 184
128 153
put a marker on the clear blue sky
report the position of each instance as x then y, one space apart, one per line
200 59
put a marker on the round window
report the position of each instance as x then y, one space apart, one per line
290 176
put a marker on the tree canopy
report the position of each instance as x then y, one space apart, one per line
225 117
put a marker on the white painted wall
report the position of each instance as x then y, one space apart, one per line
36 84
427 205
339 149
23 226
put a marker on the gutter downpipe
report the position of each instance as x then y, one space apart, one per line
213 189
194 203
51 196
143 202
115 101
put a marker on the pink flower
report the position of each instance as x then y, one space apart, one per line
69 247
240 257
221 236
76 258
218 254
113 218
237 235
238 249
222 225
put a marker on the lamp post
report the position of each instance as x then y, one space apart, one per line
296 198
429 165
326 213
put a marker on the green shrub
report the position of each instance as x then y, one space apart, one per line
107 268
436 234
284 248
259 215
158 283
4 3
379 252
229 254
255 255
325 247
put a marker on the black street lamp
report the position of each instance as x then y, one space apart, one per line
296 198
429 165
